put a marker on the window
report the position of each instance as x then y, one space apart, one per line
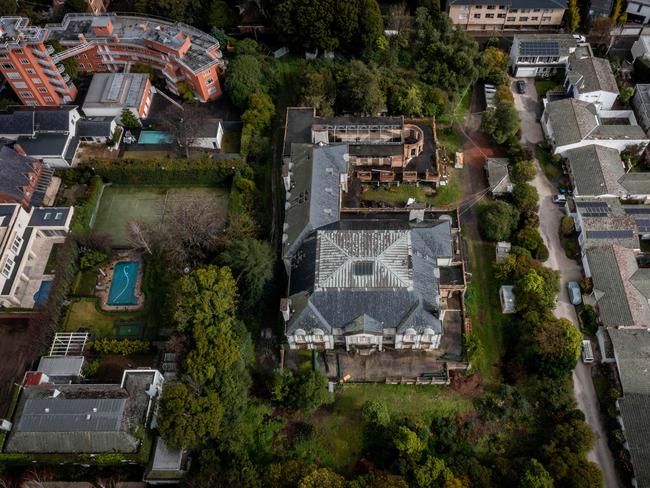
511 19
478 6
37 81
534 18
31 71
12 75
501 16
85 56
20 84
8 267
48 99
212 90
27 94
8 65
24 61
489 16
513 11
81 66
47 216
42 89
523 19
31 103
209 81
58 216
537 10
15 246
546 19
18 51
502 7
477 16
491 7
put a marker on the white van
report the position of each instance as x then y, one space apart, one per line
587 353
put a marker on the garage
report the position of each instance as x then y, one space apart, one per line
526 72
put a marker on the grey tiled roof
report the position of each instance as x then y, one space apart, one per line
632 132
632 352
44 145
636 421
17 123
515 3
620 301
95 127
497 169
636 183
14 170
610 224
298 127
572 120
596 170
589 73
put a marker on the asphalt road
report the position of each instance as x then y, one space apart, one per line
529 108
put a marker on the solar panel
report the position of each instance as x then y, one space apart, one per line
643 225
593 209
539 48
116 87
637 210
611 234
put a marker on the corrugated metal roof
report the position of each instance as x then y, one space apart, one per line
61 365
71 415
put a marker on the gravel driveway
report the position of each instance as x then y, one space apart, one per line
530 109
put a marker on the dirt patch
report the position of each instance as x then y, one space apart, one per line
112 366
469 386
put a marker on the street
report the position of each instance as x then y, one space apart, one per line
529 108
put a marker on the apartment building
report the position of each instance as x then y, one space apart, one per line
500 15
26 240
105 43
23 180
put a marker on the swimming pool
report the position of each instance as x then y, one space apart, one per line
154 137
40 297
122 290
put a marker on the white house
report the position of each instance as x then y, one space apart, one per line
638 11
26 240
641 47
209 135
590 79
641 104
571 123
533 55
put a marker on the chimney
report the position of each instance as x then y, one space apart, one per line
285 308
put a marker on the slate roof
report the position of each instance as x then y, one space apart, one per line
371 279
95 127
298 127
49 216
17 123
314 199
632 352
636 421
572 120
514 3
497 169
589 73
44 145
636 183
620 286
596 170
14 172
633 132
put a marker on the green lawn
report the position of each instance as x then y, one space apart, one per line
552 170
230 141
337 434
399 195
84 313
121 204
482 301
451 139
543 85
446 195
84 284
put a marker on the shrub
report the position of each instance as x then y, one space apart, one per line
129 120
92 259
588 319
586 286
566 225
83 212
124 347
522 171
497 219
91 368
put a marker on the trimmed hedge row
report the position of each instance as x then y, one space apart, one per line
83 213
202 171
124 347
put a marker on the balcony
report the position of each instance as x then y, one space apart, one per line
50 72
49 50
45 63
60 68
64 90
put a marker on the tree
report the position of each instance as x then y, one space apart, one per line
322 478
92 259
409 445
536 288
553 347
7 8
529 238
252 261
318 90
245 76
304 390
359 89
129 120
618 9
260 112
183 125
525 197
371 24
536 476
497 220
522 171
502 122
433 473
573 15
220 35
288 473
494 66
221 15
375 413
625 94
406 99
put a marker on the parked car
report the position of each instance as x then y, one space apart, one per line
521 86
559 199
579 38
587 352
575 295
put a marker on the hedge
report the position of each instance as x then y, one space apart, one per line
245 142
83 213
203 171
117 346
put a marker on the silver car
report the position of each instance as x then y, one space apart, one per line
575 295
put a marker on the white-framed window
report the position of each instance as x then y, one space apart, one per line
24 61
18 51
12 75
8 65
42 89
209 81
20 84
37 81
15 246
31 71
47 216
31 103
27 94
523 19
81 66
489 16
212 90
8 267
48 99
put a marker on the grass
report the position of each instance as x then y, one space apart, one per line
230 141
552 170
451 139
459 108
84 284
543 85
146 155
446 195
337 434
121 204
482 301
399 195
84 313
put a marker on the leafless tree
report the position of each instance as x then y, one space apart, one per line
183 125
398 17
139 236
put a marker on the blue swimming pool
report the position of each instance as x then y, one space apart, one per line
154 137
122 290
40 297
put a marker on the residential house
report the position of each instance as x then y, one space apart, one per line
105 43
84 418
60 369
641 105
641 216
498 178
23 180
620 288
473 15
110 93
98 130
632 353
598 171
507 299
540 55
638 11
26 240
641 48
572 123
590 79
601 221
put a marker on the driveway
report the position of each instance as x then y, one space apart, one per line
529 108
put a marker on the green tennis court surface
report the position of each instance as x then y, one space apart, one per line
128 331
121 204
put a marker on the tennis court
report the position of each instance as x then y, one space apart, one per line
145 204
128 330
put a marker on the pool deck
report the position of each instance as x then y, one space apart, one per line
105 278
